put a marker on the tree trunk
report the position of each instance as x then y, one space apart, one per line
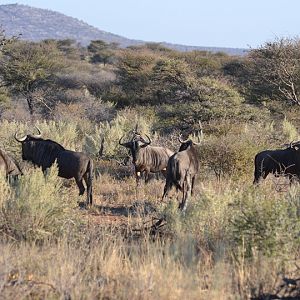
29 100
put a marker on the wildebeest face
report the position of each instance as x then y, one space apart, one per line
185 145
138 142
134 148
135 145
26 150
27 142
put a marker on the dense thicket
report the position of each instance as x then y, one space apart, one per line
179 87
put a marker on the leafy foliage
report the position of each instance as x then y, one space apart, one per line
275 70
267 224
37 209
25 67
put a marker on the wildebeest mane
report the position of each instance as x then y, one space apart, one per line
156 155
44 152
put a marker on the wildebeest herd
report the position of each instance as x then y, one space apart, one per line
179 168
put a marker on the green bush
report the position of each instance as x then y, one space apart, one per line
229 155
111 132
37 208
229 148
289 130
264 221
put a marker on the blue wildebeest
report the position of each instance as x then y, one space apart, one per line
9 166
278 162
182 169
146 158
71 164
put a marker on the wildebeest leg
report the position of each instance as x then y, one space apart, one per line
80 186
87 179
258 175
138 177
183 195
193 183
187 193
147 177
167 189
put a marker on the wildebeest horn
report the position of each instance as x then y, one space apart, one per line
294 144
37 135
149 140
199 136
181 141
120 140
136 128
20 139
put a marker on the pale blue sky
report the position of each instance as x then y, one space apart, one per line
222 23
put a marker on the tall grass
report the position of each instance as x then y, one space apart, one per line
234 241
36 207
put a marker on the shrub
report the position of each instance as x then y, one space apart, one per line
264 221
229 148
37 208
289 130
122 124
228 155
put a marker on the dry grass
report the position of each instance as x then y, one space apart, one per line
208 253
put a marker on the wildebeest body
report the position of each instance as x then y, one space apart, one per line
71 164
153 159
147 158
182 169
282 161
8 165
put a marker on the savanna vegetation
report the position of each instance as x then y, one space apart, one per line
235 241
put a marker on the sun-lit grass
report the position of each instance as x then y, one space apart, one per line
235 241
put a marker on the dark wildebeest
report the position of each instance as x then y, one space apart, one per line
147 158
278 162
10 167
182 169
71 164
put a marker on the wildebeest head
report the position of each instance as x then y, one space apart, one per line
136 143
34 149
27 143
188 143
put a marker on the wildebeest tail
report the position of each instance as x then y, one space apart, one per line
90 175
175 173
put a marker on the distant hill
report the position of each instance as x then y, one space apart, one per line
37 24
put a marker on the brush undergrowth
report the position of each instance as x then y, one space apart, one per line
36 207
234 241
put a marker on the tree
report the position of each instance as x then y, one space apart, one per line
134 69
4 41
28 67
101 51
172 80
275 70
214 99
